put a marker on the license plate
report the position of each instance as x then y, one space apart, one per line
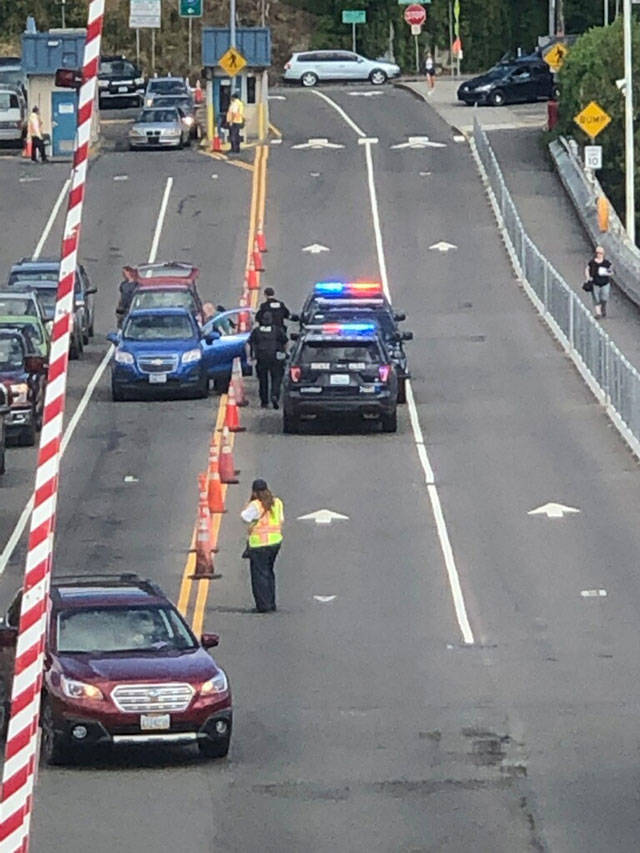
123 88
155 722
319 365
157 378
339 379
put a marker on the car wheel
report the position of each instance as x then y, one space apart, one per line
117 394
497 98
214 748
221 383
53 748
309 79
27 436
203 388
390 422
378 77
290 424
74 350
402 390
91 330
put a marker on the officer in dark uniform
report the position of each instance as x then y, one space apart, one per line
267 343
127 287
278 310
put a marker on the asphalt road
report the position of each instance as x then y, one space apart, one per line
363 722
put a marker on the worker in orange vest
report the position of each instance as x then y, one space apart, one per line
235 121
265 516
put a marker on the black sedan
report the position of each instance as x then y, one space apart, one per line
520 80
24 371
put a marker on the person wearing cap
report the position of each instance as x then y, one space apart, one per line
277 308
34 133
265 516
267 345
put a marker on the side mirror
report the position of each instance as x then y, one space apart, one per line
91 290
35 364
399 316
113 338
212 336
407 336
295 318
8 636
294 336
209 641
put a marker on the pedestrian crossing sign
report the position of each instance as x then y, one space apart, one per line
556 56
232 61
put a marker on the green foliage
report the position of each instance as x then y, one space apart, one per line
590 72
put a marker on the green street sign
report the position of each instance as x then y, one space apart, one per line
190 8
353 16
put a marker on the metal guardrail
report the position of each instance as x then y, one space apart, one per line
611 377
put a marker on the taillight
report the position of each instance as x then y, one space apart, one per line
295 373
383 371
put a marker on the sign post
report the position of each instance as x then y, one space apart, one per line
145 14
190 9
415 15
353 17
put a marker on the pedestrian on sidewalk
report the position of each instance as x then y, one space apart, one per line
278 310
265 516
34 133
235 121
599 271
267 345
430 71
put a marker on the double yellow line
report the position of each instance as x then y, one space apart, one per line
186 599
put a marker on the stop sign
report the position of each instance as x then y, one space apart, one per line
415 15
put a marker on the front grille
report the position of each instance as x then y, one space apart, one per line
150 698
153 137
158 363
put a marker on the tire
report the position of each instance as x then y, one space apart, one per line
91 330
309 79
390 422
402 390
290 424
74 350
497 99
221 383
214 748
377 77
117 395
53 749
203 388
27 437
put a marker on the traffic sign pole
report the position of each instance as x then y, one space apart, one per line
190 42
629 158
353 37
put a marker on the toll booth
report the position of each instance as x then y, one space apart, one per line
253 45
42 55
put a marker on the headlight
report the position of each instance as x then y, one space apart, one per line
19 393
188 120
169 131
484 88
217 684
139 81
103 84
80 690
191 356
149 102
134 132
123 357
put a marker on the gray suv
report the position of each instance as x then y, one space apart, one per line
318 66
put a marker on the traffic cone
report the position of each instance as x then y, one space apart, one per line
214 495
204 560
227 467
216 144
231 415
237 383
252 276
260 239
244 318
257 257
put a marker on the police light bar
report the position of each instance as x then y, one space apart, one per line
364 287
348 328
348 288
329 287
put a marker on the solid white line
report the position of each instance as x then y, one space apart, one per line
436 506
163 209
339 109
51 219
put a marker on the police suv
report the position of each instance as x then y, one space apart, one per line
340 369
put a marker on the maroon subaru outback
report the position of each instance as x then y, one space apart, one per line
122 667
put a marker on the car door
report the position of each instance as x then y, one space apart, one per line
228 343
329 66
521 86
350 66
542 81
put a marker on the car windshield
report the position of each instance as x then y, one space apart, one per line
340 352
34 275
498 71
154 327
121 629
32 330
166 87
164 271
172 101
118 67
47 296
17 306
11 76
158 117
11 356
153 298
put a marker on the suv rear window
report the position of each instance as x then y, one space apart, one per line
340 352
152 298
158 327
121 629
167 87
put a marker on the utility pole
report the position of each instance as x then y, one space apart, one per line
606 13
552 17
560 17
232 23
629 160
63 3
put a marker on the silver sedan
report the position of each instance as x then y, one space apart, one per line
158 128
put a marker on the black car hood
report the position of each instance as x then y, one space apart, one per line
192 666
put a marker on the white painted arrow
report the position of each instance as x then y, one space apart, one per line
121 177
317 142
420 142
316 248
276 142
443 246
368 140
324 599
131 479
323 516
593 593
366 94
553 510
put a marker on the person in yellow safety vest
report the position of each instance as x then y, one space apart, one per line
265 516
34 133
235 121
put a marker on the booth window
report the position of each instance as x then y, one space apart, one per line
251 89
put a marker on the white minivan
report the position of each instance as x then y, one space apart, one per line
13 115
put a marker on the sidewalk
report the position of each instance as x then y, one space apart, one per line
545 209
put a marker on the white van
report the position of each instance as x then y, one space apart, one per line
13 115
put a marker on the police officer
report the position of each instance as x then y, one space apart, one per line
278 310
267 343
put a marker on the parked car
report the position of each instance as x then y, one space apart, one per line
12 74
24 370
164 86
13 115
5 397
16 302
122 667
47 291
319 66
158 128
526 78
31 325
119 80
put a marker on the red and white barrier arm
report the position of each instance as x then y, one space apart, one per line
19 769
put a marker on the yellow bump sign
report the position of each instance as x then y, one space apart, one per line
232 61
556 55
592 119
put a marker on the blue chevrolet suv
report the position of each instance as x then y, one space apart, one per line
162 350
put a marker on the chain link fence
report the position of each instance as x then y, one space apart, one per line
613 380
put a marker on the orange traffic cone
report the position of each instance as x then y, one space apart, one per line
231 415
216 144
27 147
237 383
214 495
252 276
227 467
244 318
257 257
204 560
260 239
